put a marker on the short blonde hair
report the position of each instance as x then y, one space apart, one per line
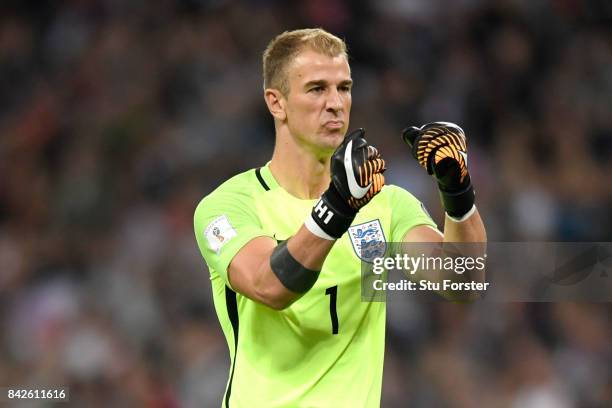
286 46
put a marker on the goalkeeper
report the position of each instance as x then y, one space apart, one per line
284 243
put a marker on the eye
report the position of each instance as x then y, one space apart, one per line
316 89
345 88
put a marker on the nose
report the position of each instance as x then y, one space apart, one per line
334 100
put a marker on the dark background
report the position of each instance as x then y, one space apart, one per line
117 117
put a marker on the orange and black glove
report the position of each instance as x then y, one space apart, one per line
440 148
356 177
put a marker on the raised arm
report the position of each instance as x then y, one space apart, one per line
441 149
277 275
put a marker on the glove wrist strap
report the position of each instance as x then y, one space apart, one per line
331 216
458 203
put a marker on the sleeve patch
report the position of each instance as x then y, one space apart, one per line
219 232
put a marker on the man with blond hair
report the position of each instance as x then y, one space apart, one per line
284 243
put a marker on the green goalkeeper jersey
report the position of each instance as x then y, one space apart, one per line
327 348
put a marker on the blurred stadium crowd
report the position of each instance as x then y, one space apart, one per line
116 117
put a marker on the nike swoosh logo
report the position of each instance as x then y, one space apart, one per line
356 190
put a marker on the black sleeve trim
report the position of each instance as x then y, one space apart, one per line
232 312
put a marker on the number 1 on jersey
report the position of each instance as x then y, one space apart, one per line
333 314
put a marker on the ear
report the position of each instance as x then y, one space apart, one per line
276 103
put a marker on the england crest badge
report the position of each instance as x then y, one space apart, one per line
368 240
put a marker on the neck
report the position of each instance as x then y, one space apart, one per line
302 172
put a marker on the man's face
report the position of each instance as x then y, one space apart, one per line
319 100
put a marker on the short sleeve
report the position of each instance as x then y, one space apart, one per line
406 212
224 222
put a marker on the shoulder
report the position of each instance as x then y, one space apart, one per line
244 182
238 190
408 211
402 203
392 193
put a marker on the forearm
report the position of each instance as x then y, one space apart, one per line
467 231
471 229
308 250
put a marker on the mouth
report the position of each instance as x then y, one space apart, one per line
334 124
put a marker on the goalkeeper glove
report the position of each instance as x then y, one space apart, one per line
356 177
440 148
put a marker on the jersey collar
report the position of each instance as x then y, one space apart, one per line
266 174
